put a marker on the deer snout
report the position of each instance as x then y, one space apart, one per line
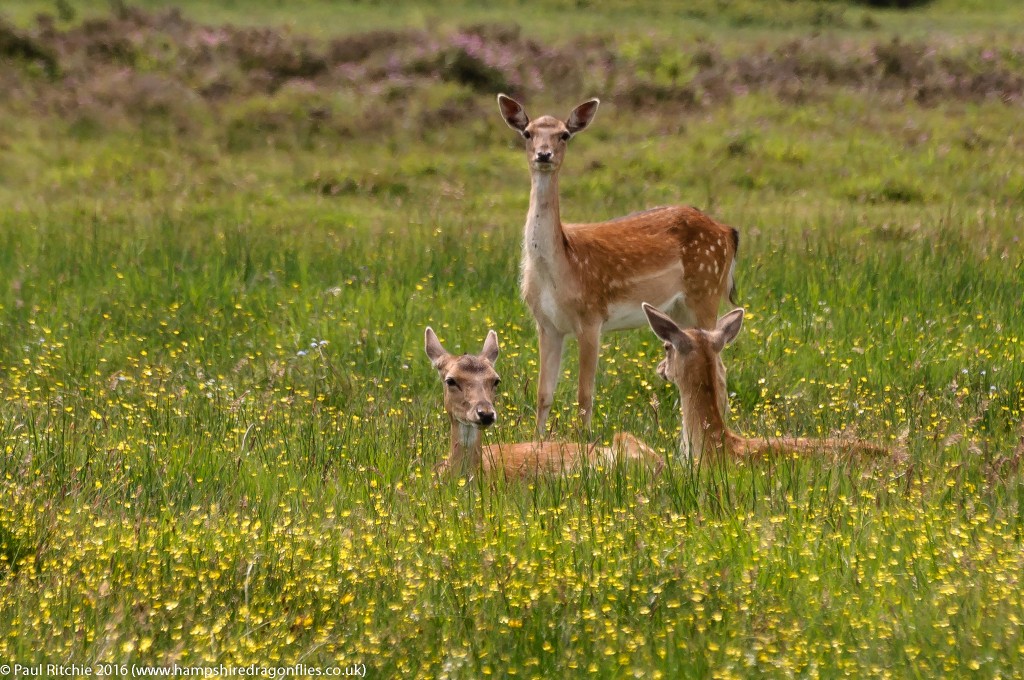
486 416
544 156
663 369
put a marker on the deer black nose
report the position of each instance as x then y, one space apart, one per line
486 417
544 156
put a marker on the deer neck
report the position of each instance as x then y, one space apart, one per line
544 240
467 452
703 428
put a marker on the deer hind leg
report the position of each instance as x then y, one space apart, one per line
551 343
589 339
705 310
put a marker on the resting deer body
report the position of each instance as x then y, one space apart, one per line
470 385
582 279
693 362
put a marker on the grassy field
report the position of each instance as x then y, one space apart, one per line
220 246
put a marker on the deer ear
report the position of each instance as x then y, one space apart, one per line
667 329
582 116
727 329
490 350
513 113
435 352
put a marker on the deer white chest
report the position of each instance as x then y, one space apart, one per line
539 291
554 313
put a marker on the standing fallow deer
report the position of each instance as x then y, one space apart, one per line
693 362
470 383
582 279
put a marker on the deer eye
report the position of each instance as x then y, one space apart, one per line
526 134
451 382
565 136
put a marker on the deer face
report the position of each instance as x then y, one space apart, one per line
695 367
693 357
546 137
470 381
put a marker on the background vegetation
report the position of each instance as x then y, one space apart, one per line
226 225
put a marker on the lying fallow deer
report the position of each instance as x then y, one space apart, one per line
582 279
470 383
693 362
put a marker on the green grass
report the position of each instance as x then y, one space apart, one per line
187 478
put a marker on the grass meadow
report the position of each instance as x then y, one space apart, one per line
223 230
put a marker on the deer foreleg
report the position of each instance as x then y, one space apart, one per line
551 343
589 339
